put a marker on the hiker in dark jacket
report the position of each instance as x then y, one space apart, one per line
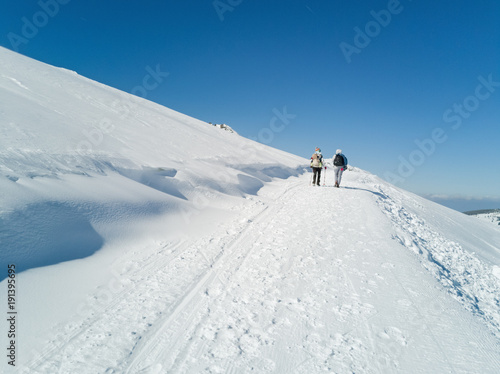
339 165
316 165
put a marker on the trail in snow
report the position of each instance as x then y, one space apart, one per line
305 280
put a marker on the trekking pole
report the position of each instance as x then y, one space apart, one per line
324 178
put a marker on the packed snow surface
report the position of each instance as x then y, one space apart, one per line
145 241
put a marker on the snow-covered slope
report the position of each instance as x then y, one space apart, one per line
87 155
145 241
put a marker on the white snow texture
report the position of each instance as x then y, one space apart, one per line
146 241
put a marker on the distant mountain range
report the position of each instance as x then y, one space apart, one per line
490 215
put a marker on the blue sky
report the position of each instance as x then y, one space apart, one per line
410 90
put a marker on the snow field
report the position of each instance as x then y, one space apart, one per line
303 280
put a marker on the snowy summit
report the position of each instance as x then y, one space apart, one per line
136 239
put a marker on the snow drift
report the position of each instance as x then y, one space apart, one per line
146 241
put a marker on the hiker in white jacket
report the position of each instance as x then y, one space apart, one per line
316 165
339 165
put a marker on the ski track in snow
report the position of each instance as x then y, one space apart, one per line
303 282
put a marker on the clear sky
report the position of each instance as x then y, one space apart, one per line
410 90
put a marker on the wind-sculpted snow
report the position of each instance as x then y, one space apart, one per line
266 172
161 179
51 228
56 233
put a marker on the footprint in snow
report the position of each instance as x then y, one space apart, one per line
404 302
496 271
393 333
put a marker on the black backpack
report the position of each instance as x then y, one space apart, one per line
338 160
